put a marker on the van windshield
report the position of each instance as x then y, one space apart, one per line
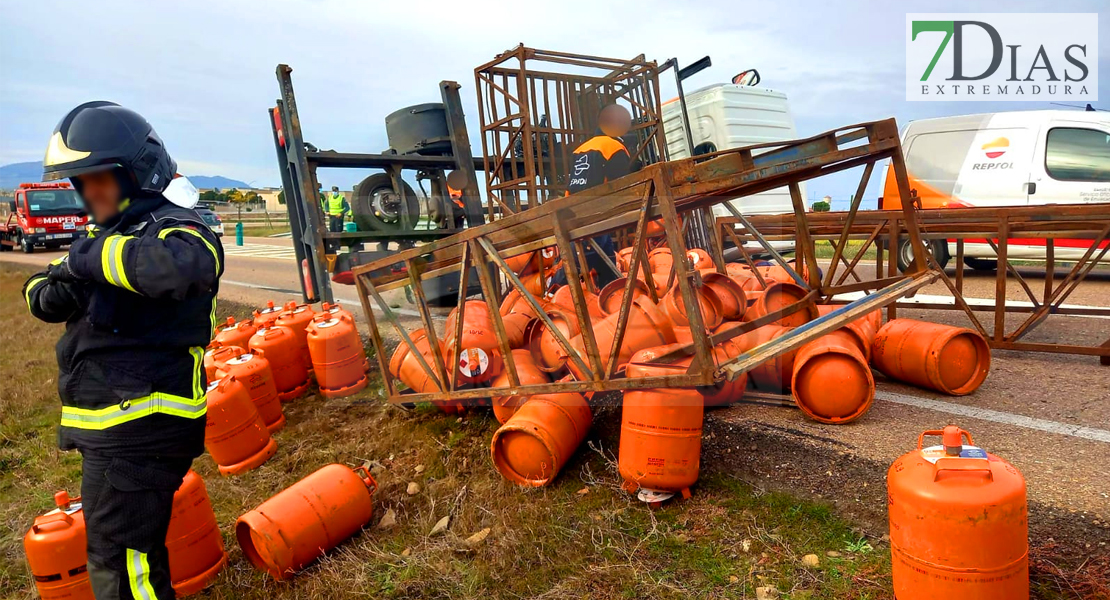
54 202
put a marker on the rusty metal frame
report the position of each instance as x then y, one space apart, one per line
542 104
662 191
997 226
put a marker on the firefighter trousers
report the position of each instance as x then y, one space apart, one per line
127 503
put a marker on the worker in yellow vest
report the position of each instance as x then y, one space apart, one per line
337 207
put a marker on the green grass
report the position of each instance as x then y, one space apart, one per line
825 249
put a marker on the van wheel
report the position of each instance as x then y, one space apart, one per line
939 248
981 264
26 245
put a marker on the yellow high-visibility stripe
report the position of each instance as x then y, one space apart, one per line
111 260
215 255
34 282
138 575
156 403
198 364
117 260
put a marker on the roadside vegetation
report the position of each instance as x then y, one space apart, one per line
583 537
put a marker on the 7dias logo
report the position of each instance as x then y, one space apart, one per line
1019 56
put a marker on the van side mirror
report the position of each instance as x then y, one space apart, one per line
11 205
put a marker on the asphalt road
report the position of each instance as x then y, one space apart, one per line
1047 414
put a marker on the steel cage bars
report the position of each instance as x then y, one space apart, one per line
539 117
1088 224
661 191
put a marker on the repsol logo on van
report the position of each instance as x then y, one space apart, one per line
992 56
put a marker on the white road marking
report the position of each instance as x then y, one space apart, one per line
261 251
939 299
1076 431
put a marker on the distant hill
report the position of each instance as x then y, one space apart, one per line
28 172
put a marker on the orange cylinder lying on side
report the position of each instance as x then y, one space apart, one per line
676 310
338 358
514 302
730 295
563 298
545 348
624 259
778 296
310 517
297 317
55 550
535 443
235 434
646 327
253 371
661 261
611 296
196 548
505 407
516 324
774 374
265 316
832 381
958 522
404 365
281 347
862 329
235 333
480 358
660 441
952 360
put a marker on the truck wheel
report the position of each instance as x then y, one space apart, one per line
981 264
939 249
378 207
26 245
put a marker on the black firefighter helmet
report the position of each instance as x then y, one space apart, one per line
98 136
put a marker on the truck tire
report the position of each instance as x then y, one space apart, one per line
939 248
26 245
376 206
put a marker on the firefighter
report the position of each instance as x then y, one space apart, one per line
337 208
138 300
600 159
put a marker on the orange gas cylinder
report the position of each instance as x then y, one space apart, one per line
297 317
480 358
733 301
531 447
862 330
660 261
55 549
777 273
611 296
281 347
958 522
778 296
235 333
310 517
514 302
215 357
253 371
660 442
673 306
563 298
952 360
738 270
405 366
336 311
548 354
196 548
520 264
624 259
516 324
338 357
265 316
235 434
646 327
832 382
774 374
528 373
699 259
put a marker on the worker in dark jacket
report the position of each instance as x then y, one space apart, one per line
600 159
138 300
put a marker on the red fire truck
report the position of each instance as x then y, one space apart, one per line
43 214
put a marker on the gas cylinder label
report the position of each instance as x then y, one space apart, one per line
935 453
473 362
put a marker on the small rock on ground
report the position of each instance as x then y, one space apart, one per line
811 560
833 554
389 519
440 526
413 489
768 592
476 539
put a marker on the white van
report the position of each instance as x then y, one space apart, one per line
1016 158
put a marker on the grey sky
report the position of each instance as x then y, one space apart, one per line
203 72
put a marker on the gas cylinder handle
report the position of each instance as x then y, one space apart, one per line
50 520
940 432
367 478
955 463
